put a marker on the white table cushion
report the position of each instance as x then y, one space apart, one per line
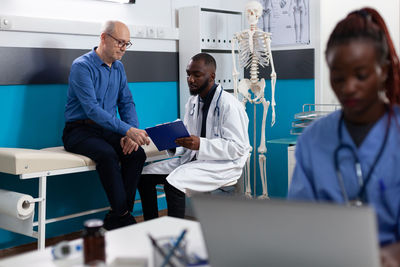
21 161
61 149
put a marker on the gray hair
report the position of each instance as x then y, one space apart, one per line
108 26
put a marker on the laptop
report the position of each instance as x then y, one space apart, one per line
278 233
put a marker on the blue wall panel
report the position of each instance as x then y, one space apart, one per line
32 116
155 102
290 95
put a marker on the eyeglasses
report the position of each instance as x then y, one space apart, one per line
121 43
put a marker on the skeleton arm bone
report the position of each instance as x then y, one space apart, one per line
235 73
244 102
268 53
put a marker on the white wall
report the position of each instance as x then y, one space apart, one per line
50 23
53 23
144 12
330 13
63 14
235 5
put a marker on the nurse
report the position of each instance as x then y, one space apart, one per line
352 155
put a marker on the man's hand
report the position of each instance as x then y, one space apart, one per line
390 255
128 145
139 136
192 142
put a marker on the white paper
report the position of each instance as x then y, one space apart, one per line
16 214
16 205
16 225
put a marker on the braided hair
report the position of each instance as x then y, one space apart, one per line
367 25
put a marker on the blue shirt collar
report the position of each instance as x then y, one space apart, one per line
97 60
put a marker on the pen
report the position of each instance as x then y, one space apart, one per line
154 242
171 252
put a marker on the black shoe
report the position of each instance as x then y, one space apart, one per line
110 221
126 220
113 221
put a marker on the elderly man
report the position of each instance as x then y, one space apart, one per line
98 88
213 156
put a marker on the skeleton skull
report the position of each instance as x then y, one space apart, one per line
253 12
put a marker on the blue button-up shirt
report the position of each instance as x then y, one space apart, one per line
97 91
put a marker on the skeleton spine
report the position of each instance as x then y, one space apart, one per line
254 69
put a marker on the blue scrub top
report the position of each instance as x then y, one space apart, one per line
315 176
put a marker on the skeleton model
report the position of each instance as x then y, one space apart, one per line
254 47
299 8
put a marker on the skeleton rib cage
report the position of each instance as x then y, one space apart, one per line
259 56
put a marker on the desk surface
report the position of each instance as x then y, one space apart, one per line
131 241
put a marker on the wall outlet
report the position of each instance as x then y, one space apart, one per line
161 32
151 32
5 24
139 31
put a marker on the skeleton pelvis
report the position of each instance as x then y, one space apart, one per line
256 88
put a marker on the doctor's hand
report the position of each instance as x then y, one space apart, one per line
128 145
139 136
192 142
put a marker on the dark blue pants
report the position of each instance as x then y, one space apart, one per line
119 173
148 194
176 199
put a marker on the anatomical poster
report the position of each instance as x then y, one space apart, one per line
287 20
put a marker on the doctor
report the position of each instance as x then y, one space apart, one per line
352 156
215 153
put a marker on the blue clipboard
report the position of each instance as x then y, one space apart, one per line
164 135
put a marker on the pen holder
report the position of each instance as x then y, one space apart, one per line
162 255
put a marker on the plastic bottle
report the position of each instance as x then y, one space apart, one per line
94 242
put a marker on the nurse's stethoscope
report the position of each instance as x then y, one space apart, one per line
361 197
215 114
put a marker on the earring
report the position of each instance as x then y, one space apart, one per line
383 97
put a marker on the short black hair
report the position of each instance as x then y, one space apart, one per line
207 58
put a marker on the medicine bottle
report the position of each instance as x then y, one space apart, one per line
93 242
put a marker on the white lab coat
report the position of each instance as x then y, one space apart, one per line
222 154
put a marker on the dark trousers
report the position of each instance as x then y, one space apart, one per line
148 195
119 173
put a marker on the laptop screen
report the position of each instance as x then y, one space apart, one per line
243 232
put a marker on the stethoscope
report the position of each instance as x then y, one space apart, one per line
360 198
215 114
